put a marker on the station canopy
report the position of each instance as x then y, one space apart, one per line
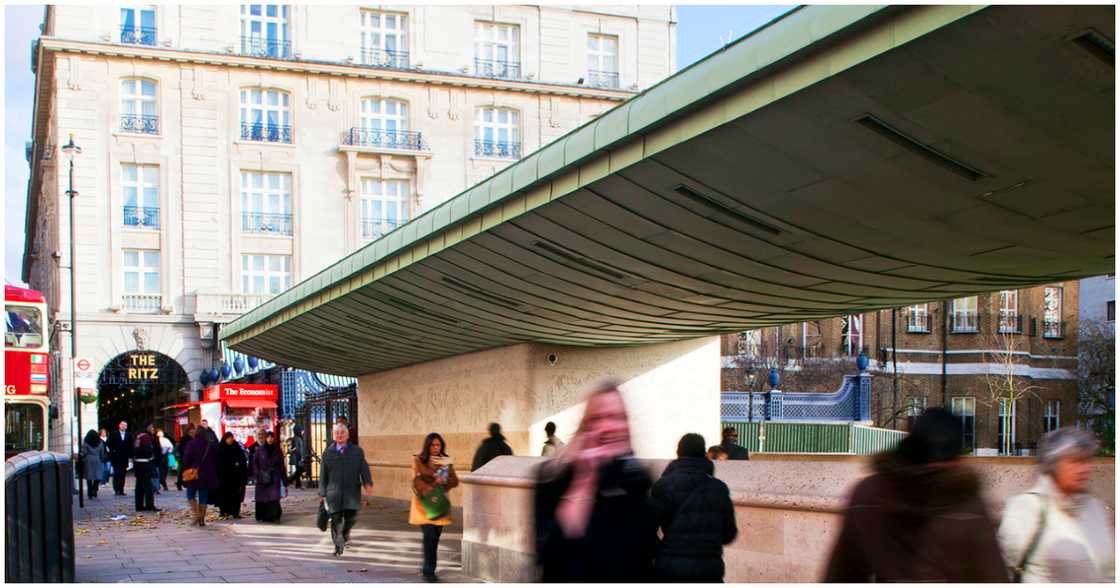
840 159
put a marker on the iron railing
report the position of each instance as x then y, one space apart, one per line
965 322
1010 322
603 79
142 302
836 438
1052 329
366 137
491 68
385 58
500 149
146 124
141 216
39 518
138 35
266 222
263 47
267 132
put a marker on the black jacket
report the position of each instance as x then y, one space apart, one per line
342 477
697 519
489 449
119 451
621 536
735 451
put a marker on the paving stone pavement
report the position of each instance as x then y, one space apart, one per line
163 547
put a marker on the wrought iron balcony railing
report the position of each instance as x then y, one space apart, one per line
138 35
264 222
141 216
266 132
917 323
373 228
603 79
145 124
366 137
1010 322
264 47
385 58
142 302
1053 329
501 149
510 70
965 322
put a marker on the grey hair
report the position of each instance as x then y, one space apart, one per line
1061 444
338 426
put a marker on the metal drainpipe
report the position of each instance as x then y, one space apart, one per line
894 364
944 351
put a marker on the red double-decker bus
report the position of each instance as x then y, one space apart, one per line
26 371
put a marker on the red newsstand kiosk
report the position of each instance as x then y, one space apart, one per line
240 408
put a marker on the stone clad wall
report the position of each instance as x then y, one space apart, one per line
787 509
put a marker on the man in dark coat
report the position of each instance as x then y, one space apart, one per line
730 445
491 447
919 517
695 514
144 464
120 450
343 477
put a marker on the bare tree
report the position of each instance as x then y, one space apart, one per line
1004 379
1096 380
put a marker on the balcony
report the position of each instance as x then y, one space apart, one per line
917 323
1052 329
144 217
498 149
603 79
142 302
363 137
966 322
508 70
1010 322
144 124
229 305
375 228
263 47
268 133
385 58
264 222
138 36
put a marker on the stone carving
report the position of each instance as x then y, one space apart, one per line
334 93
433 97
312 85
552 122
452 106
73 79
197 85
141 337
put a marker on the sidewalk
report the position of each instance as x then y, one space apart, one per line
163 547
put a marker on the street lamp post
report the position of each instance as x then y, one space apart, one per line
71 150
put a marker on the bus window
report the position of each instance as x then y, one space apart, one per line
23 427
23 327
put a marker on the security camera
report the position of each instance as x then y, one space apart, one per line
552 358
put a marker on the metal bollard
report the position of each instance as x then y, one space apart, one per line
39 518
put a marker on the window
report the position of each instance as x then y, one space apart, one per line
264 116
965 408
750 343
917 318
385 206
140 195
496 133
265 274
264 30
1051 418
266 203
384 123
496 52
810 339
965 319
23 327
384 39
851 333
602 61
139 113
24 425
1110 310
138 25
1009 320
141 280
914 409
1005 427
1052 313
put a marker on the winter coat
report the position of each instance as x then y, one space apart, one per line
1076 544
735 451
201 454
423 482
342 476
145 455
119 450
621 536
490 448
93 461
924 523
266 460
233 468
697 519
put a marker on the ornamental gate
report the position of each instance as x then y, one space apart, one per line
317 416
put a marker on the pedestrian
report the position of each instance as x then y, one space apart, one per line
298 457
94 455
188 434
593 522
1056 531
212 437
552 443
695 514
200 472
233 474
120 451
165 446
343 476
491 447
144 463
919 516
731 446
106 468
268 471
157 459
717 453
433 475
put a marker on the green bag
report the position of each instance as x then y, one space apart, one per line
435 503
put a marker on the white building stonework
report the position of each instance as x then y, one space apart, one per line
231 151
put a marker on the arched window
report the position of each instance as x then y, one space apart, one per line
265 115
497 133
139 108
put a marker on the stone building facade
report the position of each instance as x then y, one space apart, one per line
1002 361
230 151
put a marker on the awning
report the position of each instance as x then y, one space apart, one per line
249 403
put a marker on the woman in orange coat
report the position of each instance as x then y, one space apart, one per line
433 474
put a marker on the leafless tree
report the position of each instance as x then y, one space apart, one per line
1004 378
1096 380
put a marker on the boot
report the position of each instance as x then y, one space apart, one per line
202 515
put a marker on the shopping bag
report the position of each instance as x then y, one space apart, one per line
435 503
171 463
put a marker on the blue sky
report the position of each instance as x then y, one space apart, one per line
700 30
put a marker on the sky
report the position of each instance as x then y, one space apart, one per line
701 30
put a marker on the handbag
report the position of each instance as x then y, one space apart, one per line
435 503
1017 572
265 478
191 474
324 517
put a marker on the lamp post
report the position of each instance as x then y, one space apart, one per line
71 150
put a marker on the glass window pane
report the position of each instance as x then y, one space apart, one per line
131 259
258 263
131 282
151 259
258 285
275 285
129 197
151 282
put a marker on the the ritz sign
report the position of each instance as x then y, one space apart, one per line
142 366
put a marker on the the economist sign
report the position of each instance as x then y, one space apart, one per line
259 392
